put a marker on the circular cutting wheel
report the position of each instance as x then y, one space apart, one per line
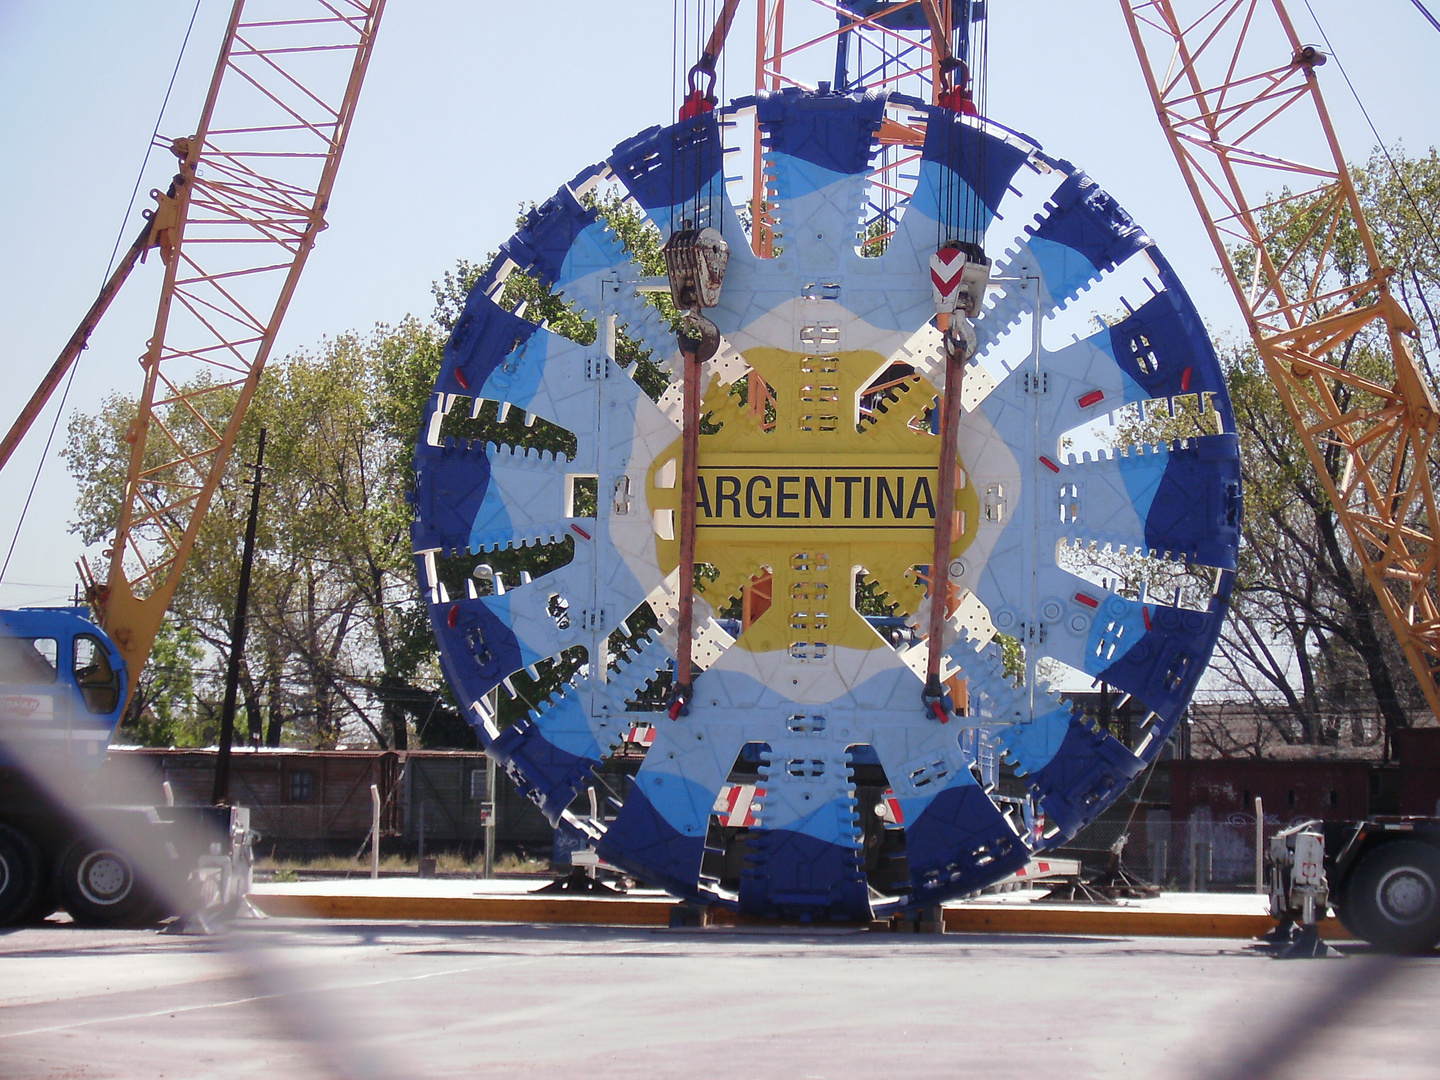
1095 535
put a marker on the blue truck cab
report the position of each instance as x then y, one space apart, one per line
62 689
62 692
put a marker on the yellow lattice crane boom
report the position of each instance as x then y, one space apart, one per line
1237 93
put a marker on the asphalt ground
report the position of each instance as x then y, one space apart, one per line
310 998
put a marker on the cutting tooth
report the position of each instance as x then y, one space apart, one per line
630 675
645 325
1029 730
535 621
1004 310
1032 744
1109 238
1072 766
1188 494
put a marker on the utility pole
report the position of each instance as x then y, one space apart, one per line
220 794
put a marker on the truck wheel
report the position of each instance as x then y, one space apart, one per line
19 875
1393 898
98 886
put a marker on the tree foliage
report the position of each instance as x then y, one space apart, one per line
167 708
337 638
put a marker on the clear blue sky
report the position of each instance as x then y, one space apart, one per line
471 109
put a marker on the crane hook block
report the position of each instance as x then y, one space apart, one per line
695 260
957 280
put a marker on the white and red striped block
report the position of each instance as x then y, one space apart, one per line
641 735
738 805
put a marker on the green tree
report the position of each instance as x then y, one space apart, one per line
164 710
334 630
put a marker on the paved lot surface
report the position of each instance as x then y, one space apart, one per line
286 999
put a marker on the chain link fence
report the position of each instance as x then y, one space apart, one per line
1199 854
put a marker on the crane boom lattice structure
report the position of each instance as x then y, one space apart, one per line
234 230
1236 91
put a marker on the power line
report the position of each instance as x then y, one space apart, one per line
1429 18
150 144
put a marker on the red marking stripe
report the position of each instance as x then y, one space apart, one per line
461 379
1088 601
897 813
1145 612
577 529
1094 397
453 617
1049 464
1185 379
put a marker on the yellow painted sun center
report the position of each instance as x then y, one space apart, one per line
795 481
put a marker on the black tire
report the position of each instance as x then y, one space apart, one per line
20 873
98 886
1392 900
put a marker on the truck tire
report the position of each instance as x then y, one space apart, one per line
1392 900
19 875
98 886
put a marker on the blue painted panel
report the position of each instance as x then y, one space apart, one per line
1163 667
1088 772
833 131
1195 513
642 841
960 844
450 485
551 756
983 164
797 875
665 167
484 338
1088 221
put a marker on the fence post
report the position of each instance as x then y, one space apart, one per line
1201 865
1259 846
374 832
490 823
